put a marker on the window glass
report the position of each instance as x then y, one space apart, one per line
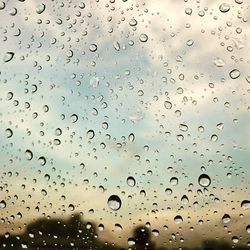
124 124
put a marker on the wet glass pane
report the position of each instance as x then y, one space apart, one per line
124 124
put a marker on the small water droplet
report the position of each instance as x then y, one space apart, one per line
116 45
131 137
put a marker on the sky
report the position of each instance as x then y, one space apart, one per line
152 90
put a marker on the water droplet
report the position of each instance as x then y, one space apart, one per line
167 105
226 218
8 132
245 204
174 181
44 192
2 204
184 199
93 47
183 127
131 241
178 219
58 132
143 38
90 134
2 5
94 82
168 191
220 126
132 22
28 154
214 138
40 8
204 180
188 11
155 232
118 227
101 227
8 56
116 45
131 137
114 202
131 181
234 74
235 239
71 207
42 160
224 7
74 118
219 62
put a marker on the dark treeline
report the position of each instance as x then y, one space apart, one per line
75 234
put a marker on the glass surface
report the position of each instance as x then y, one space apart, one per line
124 124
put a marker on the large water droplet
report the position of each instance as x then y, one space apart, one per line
114 202
224 7
245 204
226 218
174 181
40 8
219 62
131 241
8 132
131 181
234 74
93 47
143 38
184 199
2 204
204 180
28 154
8 56
178 219
90 134
167 105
